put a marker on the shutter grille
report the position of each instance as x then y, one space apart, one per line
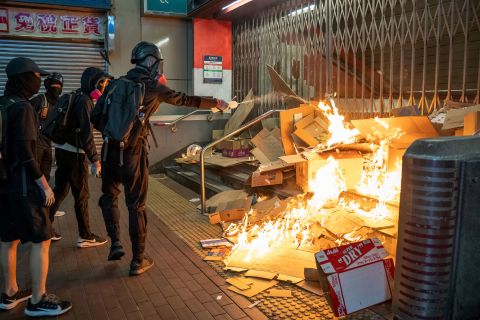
69 59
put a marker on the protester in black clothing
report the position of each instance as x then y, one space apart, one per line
71 157
26 194
133 173
42 104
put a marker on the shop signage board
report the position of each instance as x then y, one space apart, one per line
212 69
48 23
166 7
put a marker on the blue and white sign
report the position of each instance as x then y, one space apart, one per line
212 69
166 7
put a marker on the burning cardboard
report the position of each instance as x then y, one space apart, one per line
357 275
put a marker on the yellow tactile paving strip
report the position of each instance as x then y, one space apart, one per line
184 219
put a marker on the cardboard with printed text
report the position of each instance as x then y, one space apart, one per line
357 275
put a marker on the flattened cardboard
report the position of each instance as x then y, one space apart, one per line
257 286
287 125
222 197
216 254
311 274
238 283
221 161
285 278
281 260
455 117
279 293
260 156
311 286
290 97
275 165
261 274
241 113
212 243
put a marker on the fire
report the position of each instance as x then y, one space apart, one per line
297 224
340 133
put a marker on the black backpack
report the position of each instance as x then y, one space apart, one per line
4 105
118 113
56 126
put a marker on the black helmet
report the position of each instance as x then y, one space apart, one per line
144 49
22 65
54 76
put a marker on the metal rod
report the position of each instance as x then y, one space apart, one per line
214 143
177 120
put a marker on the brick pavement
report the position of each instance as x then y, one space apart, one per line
179 286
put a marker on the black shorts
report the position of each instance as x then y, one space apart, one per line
24 218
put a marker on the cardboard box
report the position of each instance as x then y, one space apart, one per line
226 215
407 130
471 123
356 274
455 117
287 120
350 162
235 148
268 178
312 130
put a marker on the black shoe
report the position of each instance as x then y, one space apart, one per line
56 236
90 241
137 268
49 306
8 303
116 251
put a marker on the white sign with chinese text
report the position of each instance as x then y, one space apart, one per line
49 23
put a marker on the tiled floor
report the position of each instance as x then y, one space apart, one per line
179 286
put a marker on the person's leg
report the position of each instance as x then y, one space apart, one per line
39 269
8 260
111 213
79 185
62 175
136 186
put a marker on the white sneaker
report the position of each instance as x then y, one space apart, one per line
92 241
59 213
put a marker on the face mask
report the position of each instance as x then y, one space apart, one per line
55 91
162 80
95 94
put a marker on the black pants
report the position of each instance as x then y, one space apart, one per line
44 157
133 174
72 172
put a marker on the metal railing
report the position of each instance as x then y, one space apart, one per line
214 143
173 124
375 54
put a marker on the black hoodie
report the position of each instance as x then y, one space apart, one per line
80 114
21 136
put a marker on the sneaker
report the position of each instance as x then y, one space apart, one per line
91 241
56 236
8 303
137 268
50 305
116 251
59 213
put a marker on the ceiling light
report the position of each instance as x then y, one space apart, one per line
234 5
302 10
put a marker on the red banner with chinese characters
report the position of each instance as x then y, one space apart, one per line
47 23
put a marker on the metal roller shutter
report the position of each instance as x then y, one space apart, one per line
70 59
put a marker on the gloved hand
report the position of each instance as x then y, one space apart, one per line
47 192
96 169
222 105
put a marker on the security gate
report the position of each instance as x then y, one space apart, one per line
375 55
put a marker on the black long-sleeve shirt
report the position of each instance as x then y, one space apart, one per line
22 136
39 102
82 130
